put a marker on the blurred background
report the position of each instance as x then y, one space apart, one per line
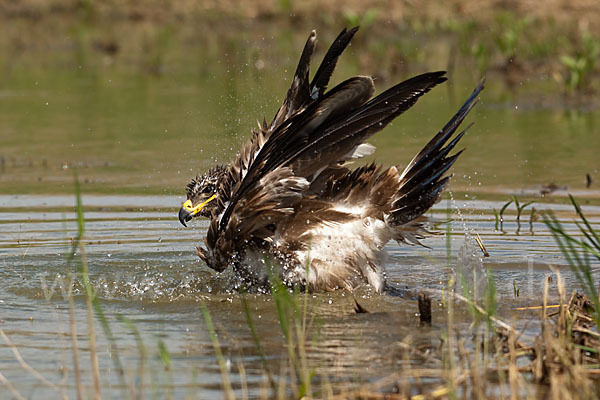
141 96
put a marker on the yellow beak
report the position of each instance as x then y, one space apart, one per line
187 210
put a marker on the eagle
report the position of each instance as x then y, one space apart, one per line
290 204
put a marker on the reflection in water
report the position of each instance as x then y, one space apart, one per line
144 269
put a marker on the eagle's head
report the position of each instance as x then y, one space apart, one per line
201 193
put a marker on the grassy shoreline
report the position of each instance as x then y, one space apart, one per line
516 40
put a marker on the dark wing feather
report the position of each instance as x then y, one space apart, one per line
333 126
438 141
323 74
356 126
300 130
308 126
299 91
301 94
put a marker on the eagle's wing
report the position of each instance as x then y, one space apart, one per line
300 95
312 130
339 137
277 191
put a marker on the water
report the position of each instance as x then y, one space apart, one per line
137 127
144 268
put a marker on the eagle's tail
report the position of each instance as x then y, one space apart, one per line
423 180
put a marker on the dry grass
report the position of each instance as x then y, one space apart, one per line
561 362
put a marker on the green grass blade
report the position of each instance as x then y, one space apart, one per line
592 231
217 347
259 348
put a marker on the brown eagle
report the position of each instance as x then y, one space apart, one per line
289 202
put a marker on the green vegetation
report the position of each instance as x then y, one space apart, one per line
578 252
510 31
582 63
499 215
520 207
220 359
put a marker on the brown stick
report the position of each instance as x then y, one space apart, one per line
424 308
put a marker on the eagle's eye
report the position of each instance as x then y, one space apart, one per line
208 189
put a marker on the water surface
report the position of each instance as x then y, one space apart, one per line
143 266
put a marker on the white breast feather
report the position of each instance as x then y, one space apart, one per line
363 238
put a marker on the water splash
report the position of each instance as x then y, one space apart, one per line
471 276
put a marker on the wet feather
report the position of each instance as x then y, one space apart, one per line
290 198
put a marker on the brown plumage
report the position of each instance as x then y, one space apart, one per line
289 203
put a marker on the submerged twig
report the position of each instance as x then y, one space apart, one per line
532 218
359 309
480 309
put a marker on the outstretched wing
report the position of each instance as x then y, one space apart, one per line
300 96
332 141
315 128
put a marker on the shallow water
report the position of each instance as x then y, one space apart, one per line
143 265
138 126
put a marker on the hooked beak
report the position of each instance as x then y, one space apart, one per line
184 216
188 211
